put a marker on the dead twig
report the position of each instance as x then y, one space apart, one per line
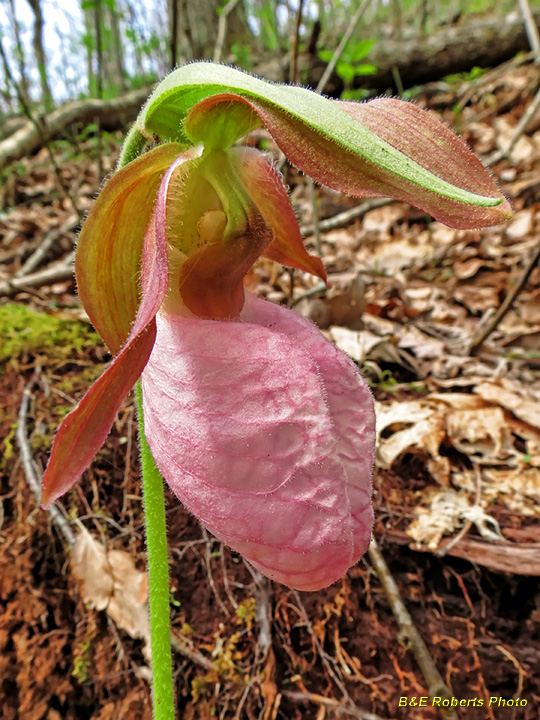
333 62
208 560
339 708
341 47
327 661
54 273
28 463
264 613
315 207
507 303
39 254
530 28
520 128
293 70
194 655
444 549
344 218
408 635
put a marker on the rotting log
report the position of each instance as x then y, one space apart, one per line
504 557
483 42
111 114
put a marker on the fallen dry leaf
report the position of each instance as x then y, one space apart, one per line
91 568
446 513
110 581
522 407
481 434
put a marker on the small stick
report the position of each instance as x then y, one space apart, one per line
518 131
530 28
325 658
507 303
54 273
341 47
408 636
345 217
315 207
222 29
28 463
293 70
208 559
320 287
41 251
337 707
194 655
444 549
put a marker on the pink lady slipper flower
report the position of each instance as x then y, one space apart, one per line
260 426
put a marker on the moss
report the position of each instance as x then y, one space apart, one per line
85 378
25 331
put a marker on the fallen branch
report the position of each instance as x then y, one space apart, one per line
507 557
39 254
54 273
408 635
110 113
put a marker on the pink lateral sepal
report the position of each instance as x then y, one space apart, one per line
85 429
265 431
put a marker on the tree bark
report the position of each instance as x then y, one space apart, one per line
118 47
89 43
98 27
453 49
172 7
19 52
41 60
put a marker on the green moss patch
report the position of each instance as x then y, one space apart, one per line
25 331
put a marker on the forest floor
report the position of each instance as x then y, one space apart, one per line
456 483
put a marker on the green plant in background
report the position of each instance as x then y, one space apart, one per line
349 66
267 22
241 55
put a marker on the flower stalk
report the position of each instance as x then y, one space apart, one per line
158 576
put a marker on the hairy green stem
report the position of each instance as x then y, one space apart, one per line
133 146
158 574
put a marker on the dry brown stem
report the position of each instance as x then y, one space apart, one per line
409 636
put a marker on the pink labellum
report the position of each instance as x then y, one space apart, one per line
212 279
265 431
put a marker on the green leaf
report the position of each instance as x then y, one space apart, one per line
338 145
